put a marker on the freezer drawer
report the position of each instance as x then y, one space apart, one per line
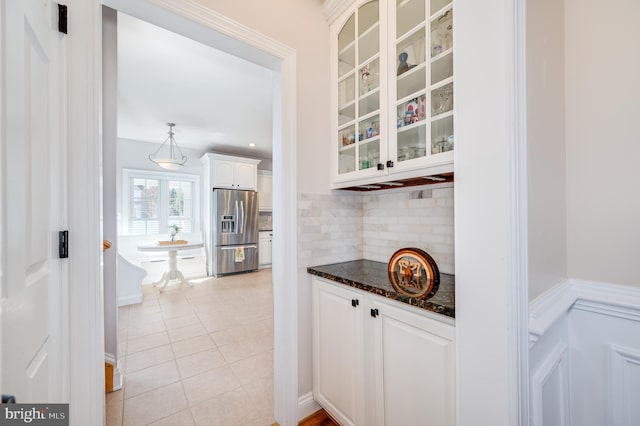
227 261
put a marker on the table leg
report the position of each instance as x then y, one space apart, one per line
164 281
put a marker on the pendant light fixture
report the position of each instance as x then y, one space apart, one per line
175 159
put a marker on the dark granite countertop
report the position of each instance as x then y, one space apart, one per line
372 276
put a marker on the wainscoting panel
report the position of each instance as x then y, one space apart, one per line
585 355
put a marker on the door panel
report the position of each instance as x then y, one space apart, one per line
225 261
34 180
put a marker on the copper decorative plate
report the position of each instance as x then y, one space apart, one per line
414 273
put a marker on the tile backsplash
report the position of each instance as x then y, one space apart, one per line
338 227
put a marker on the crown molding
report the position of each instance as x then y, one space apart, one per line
334 8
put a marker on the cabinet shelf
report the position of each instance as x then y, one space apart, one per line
442 55
369 140
346 76
347 147
369 31
344 126
408 74
369 93
410 97
441 11
411 32
441 83
349 46
441 116
409 127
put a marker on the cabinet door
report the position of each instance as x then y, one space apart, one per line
222 174
360 89
245 176
338 352
264 251
414 369
265 196
422 85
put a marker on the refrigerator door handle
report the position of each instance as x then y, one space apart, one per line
235 247
242 218
236 217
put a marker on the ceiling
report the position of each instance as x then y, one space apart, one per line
218 102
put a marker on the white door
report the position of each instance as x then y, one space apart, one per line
414 369
33 193
338 352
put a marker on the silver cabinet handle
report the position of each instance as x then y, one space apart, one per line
235 247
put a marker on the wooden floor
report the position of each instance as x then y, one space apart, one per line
319 418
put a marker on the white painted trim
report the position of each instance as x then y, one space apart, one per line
282 59
517 252
118 377
606 298
131 300
307 405
86 314
618 356
553 361
332 9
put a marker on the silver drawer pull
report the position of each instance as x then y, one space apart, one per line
235 247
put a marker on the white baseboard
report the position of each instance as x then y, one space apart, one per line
306 405
131 300
118 377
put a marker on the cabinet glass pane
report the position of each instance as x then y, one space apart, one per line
369 77
442 68
442 99
412 111
409 13
442 135
369 103
368 31
412 142
411 82
347 160
442 33
347 114
346 91
436 5
369 155
368 128
347 47
411 52
347 136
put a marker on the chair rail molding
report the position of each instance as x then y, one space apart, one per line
617 300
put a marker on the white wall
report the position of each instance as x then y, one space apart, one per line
546 145
603 142
300 25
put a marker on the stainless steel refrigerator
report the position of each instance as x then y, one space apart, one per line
234 232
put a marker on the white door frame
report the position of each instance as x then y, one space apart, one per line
87 354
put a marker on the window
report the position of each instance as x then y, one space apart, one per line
155 200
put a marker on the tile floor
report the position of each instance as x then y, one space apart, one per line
200 355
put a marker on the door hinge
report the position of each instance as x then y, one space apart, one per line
63 244
62 18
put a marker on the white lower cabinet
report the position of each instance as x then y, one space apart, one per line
376 362
265 243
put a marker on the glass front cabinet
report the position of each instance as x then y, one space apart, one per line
393 91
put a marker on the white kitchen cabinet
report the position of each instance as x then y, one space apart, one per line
265 190
392 91
225 171
338 352
407 376
265 243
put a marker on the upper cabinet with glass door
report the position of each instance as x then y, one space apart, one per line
423 84
359 91
407 130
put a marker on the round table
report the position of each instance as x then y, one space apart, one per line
173 273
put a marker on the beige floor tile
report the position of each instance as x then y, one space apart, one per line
148 358
150 378
183 321
192 345
177 311
145 329
147 342
238 334
219 322
200 362
229 409
183 333
242 350
114 413
154 405
260 391
113 397
136 319
210 384
253 368
181 418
